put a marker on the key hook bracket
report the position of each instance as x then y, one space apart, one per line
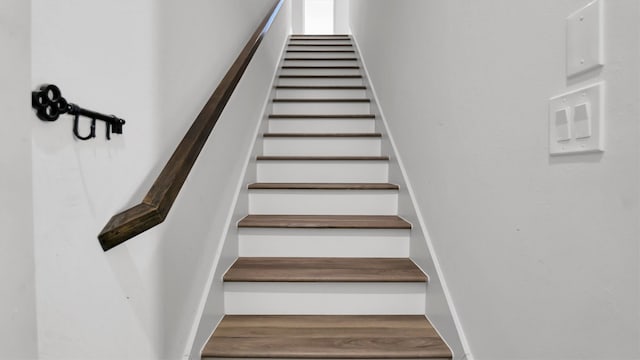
49 105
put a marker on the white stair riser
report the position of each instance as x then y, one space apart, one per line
321 94
330 108
320 62
321 81
319 126
320 72
323 48
307 146
322 171
321 55
251 298
379 243
323 202
320 41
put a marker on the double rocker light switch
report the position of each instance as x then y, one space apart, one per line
576 121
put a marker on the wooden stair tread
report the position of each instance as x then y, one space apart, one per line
320 59
313 135
325 221
318 116
326 336
319 35
321 41
300 67
323 186
321 87
337 100
312 36
322 158
321 51
341 45
292 269
320 38
320 76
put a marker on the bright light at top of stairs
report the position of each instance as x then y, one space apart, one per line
318 16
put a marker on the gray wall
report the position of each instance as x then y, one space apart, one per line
18 333
540 253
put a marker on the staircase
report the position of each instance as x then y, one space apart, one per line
324 268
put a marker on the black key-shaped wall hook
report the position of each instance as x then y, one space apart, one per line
50 104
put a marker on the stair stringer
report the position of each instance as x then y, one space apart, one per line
212 310
439 307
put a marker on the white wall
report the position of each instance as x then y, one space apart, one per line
154 63
18 332
297 16
195 230
259 75
85 295
341 17
540 253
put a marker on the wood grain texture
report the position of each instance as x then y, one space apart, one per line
292 269
318 116
319 59
321 51
315 135
158 201
320 87
322 100
337 40
320 76
326 337
319 45
322 158
323 186
287 67
319 36
325 221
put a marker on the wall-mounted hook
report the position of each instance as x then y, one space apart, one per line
92 132
50 104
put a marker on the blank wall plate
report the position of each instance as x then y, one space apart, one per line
584 39
576 121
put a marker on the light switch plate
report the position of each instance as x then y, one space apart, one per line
584 39
584 130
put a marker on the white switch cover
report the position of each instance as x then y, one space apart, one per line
584 39
584 130
563 132
582 120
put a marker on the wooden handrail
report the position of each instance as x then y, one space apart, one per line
156 204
